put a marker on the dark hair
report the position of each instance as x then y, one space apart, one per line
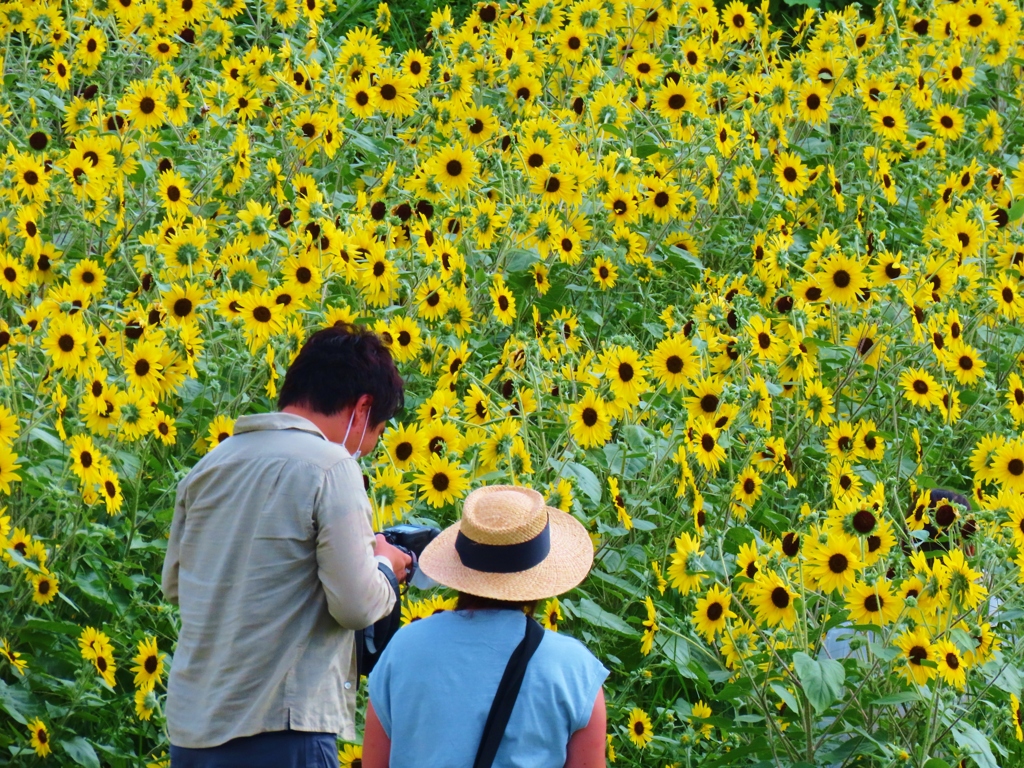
336 366
467 602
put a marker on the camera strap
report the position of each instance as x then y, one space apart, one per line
508 692
370 642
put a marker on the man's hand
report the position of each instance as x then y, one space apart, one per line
400 561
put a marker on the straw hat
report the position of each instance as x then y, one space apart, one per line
510 546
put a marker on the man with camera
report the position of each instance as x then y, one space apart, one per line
274 564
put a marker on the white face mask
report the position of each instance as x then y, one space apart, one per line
344 441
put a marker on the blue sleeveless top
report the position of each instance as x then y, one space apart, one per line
434 684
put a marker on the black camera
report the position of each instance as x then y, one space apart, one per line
412 539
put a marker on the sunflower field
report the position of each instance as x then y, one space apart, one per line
745 298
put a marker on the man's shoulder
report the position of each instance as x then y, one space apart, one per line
265 455
288 445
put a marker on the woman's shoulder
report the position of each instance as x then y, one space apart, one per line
421 629
560 649
567 671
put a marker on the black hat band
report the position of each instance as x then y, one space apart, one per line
504 558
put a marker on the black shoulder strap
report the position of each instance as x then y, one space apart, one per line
370 642
508 692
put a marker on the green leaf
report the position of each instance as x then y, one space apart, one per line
585 479
365 143
855 745
678 652
748 718
1003 675
16 702
594 614
1017 210
974 743
622 584
520 259
884 652
46 436
68 628
92 585
81 752
736 537
936 763
897 698
822 680
688 265
962 639
787 697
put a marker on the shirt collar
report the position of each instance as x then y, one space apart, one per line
258 422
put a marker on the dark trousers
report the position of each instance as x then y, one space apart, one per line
273 749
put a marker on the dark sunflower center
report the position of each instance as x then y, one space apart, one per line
780 597
838 563
864 522
791 544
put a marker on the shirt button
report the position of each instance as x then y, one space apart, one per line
347 685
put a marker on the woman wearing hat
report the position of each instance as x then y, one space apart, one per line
434 688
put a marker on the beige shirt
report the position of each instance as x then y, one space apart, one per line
271 561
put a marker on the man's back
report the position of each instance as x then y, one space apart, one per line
270 559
